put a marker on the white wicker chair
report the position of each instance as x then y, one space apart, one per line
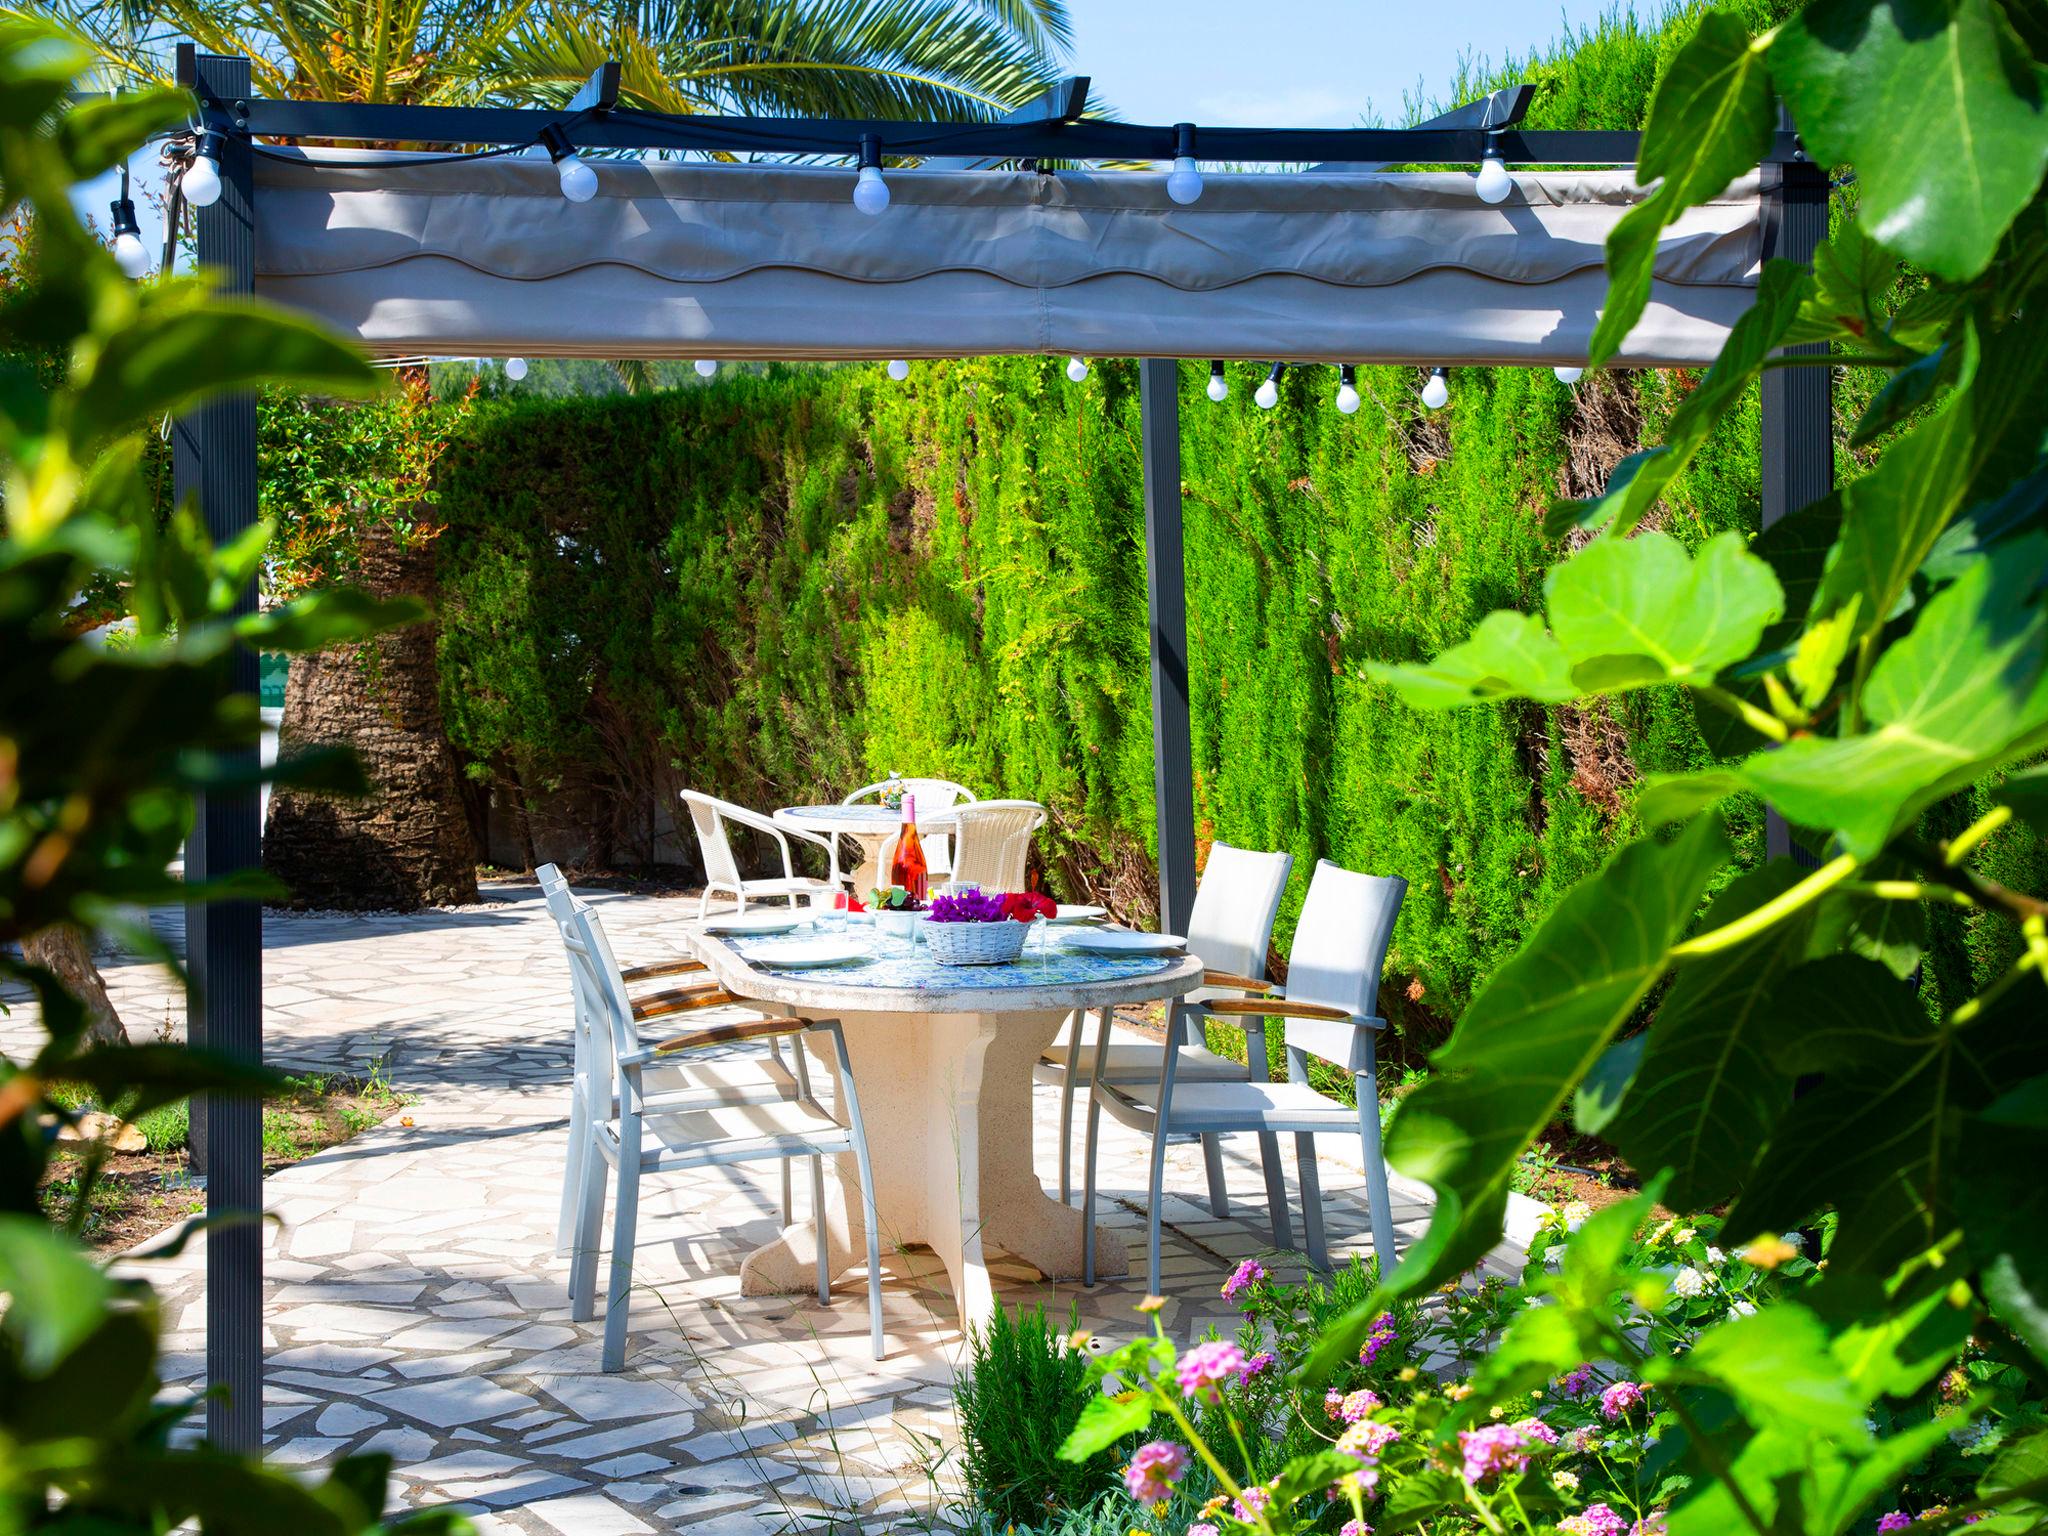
710 816
1333 975
932 795
642 1134
994 843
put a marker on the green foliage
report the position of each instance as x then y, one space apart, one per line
101 751
1024 1387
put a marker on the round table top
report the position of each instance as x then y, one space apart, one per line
869 817
1051 975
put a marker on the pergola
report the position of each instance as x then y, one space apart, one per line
984 249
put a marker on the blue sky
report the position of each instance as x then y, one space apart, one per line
1294 63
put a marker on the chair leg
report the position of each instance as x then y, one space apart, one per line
1375 1169
1212 1160
820 1238
873 1222
1067 1077
589 1224
1312 1236
625 1221
1088 1190
1155 1198
570 1220
788 1213
1276 1190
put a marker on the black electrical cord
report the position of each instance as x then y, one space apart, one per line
496 153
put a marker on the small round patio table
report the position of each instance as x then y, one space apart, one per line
942 1056
867 822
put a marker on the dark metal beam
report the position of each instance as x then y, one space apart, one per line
1061 102
1497 109
214 462
1173 771
600 93
1798 434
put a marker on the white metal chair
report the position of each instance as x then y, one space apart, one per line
1333 975
738 1079
932 795
709 1131
710 816
1229 930
994 843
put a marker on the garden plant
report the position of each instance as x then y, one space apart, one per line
1875 654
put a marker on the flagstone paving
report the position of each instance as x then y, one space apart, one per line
416 1305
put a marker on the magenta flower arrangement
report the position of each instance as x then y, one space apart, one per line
983 907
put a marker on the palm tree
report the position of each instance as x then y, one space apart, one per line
410 843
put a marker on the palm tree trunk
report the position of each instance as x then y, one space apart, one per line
62 950
407 844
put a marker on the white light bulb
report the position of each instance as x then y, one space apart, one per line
515 367
1076 369
1436 394
1493 183
1219 388
1569 375
1267 395
1347 399
870 192
899 370
579 181
1184 183
706 367
201 182
131 255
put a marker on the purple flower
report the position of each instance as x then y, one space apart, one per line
1154 1470
1501 1447
1246 1275
1254 1499
1258 1365
1203 1370
1577 1383
1594 1520
968 907
1383 1333
1618 1399
1897 1520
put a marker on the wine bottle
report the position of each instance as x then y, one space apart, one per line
908 868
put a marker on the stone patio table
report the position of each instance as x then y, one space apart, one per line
870 824
942 1056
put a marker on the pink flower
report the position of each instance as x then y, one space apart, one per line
1594 1520
1897 1520
1201 1528
1366 1440
1616 1401
1254 1500
1577 1383
1354 1406
1243 1278
1204 1370
1501 1447
1354 1528
1154 1470
1383 1333
1258 1365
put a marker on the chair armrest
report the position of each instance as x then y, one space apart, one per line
1238 983
1276 1008
665 968
658 1005
726 1034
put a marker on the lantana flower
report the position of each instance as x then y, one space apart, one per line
1242 1278
1688 1282
1154 1470
1618 1399
1367 1439
1502 1447
1258 1365
1383 1333
1594 1520
1204 1370
1576 1383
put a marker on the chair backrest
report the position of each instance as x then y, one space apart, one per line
932 794
1340 944
994 842
1232 921
596 970
707 817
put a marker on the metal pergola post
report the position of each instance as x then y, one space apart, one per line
1173 763
214 462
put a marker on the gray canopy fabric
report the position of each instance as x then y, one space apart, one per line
733 261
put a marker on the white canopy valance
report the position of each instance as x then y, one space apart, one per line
416 255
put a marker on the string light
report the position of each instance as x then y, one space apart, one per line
1267 395
515 368
130 254
870 192
1493 182
1077 370
899 370
1569 375
1219 387
1347 389
1184 182
1436 394
201 181
579 181
705 367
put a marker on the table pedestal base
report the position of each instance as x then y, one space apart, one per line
947 1102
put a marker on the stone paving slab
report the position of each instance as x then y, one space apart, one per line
416 1304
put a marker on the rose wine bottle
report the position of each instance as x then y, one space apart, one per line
908 868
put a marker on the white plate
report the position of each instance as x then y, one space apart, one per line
809 954
1122 941
1078 914
756 922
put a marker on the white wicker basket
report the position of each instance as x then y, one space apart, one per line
976 943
